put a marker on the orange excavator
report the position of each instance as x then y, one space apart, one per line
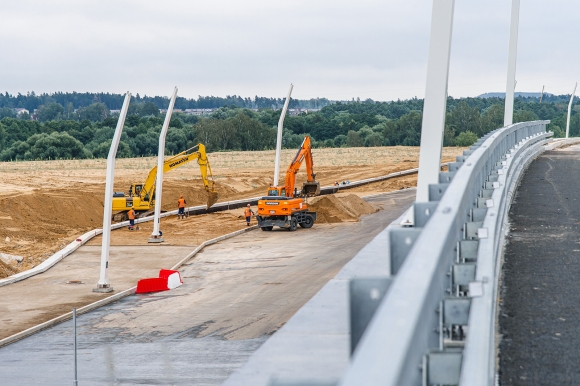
285 206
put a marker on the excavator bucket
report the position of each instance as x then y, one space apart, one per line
212 197
311 188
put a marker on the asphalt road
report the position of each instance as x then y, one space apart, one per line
235 294
540 312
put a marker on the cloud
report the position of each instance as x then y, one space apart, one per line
336 49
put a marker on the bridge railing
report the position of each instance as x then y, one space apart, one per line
435 323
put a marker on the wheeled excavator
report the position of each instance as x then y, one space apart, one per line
141 197
285 206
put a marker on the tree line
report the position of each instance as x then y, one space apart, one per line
69 102
89 131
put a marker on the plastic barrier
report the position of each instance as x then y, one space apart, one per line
168 279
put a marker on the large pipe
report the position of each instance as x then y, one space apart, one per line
279 138
155 236
570 110
508 117
103 283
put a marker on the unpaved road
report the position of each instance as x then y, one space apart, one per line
45 205
236 293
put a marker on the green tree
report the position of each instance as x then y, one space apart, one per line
96 112
49 112
149 108
467 138
340 140
464 118
353 139
102 150
373 140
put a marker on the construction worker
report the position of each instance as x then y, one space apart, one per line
131 215
181 207
248 212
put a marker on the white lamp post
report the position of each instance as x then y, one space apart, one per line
279 138
155 236
103 284
508 118
570 110
435 105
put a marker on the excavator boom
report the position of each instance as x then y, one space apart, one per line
311 187
179 160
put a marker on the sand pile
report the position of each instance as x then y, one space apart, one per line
38 223
333 209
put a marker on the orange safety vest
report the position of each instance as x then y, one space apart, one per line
131 214
181 203
247 212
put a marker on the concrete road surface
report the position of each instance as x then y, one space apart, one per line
540 314
235 294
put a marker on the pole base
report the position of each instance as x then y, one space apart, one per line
155 240
103 290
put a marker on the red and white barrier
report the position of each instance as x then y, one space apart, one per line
168 279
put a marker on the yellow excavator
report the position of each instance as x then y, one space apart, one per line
141 197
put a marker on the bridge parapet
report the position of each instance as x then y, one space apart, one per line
417 305
436 323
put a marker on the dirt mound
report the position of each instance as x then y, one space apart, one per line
333 209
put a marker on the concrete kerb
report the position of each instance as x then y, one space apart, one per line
110 299
200 209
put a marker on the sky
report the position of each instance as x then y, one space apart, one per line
334 49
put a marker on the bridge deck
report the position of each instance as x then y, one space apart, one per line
540 311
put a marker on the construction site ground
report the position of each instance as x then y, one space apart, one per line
44 205
236 293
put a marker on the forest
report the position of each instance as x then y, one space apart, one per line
86 132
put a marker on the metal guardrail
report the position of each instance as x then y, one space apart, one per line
416 306
438 314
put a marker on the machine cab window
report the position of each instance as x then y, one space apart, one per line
273 192
283 192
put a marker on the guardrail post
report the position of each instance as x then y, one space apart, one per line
435 105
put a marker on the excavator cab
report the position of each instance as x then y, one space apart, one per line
277 191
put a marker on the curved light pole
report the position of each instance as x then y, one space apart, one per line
103 284
570 110
279 138
435 105
155 236
508 117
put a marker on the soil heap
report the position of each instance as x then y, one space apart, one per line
333 209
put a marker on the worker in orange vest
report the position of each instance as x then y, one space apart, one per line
181 207
248 212
131 215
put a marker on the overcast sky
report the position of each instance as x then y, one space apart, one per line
335 49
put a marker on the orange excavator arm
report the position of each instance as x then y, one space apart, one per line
304 154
